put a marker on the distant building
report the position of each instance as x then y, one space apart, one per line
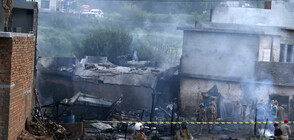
234 58
277 13
48 5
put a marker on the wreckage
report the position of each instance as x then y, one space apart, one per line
95 81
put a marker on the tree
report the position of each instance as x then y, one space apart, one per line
105 41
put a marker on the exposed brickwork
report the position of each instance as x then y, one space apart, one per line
5 70
16 69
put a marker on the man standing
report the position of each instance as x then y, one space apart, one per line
260 112
238 113
184 133
274 111
211 116
281 113
139 134
7 6
201 117
278 132
260 115
292 107
286 130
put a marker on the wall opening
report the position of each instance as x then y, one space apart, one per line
289 53
282 52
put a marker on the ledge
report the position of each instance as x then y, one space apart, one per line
13 34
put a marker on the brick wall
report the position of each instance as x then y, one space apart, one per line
5 67
16 66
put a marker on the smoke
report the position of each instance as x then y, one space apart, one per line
267 133
243 60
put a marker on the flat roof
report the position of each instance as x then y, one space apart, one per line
204 26
219 30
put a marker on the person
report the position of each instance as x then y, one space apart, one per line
277 133
211 116
213 101
280 113
238 113
139 134
261 114
7 7
201 117
274 111
292 107
183 133
286 130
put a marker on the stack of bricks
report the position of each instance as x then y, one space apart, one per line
16 83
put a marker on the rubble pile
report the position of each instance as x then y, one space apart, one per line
40 130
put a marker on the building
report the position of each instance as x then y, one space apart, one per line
23 17
230 61
48 5
17 58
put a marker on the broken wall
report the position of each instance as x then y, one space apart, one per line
16 78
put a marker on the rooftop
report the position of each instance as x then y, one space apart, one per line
202 26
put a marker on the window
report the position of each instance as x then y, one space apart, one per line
289 53
45 3
266 55
282 52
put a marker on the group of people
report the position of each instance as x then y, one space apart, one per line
209 114
273 111
283 132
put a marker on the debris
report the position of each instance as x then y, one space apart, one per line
44 130
39 104
102 127
25 135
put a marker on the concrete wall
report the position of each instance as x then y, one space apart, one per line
24 15
219 54
16 74
279 15
52 5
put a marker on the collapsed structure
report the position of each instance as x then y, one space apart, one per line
240 58
60 78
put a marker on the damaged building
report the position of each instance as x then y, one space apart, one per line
62 78
238 60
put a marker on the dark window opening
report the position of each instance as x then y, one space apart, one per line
45 4
282 52
289 53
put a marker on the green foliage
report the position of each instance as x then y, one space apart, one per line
133 12
158 48
53 42
105 41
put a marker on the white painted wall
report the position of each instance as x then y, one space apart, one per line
52 5
279 15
